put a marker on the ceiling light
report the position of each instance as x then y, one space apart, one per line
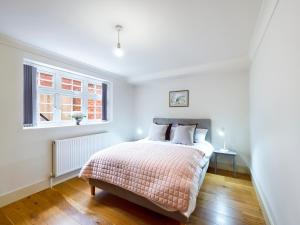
118 50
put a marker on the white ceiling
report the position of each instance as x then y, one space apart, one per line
158 35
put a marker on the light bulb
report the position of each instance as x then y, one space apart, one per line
139 131
119 52
221 132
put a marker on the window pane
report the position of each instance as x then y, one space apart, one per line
68 106
46 116
91 103
70 84
91 109
46 98
98 89
66 87
46 107
98 110
66 116
66 80
95 89
44 76
45 80
45 83
76 108
66 100
66 84
76 88
77 82
91 116
77 101
98 116
77 104
98 103
76 85
91 88
94 109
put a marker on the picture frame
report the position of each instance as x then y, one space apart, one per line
179 98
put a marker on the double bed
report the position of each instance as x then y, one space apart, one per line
159 175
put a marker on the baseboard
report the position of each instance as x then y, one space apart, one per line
65 177
266 210
228 167
24 192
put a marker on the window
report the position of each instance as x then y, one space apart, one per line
70 105
46 107
94 101
45 80
53 96
71 85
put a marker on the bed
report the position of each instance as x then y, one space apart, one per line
161 176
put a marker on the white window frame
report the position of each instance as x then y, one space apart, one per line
57 91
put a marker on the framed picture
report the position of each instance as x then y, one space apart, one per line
179 98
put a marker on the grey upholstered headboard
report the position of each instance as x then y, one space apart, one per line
201 123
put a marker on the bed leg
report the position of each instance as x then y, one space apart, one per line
93 188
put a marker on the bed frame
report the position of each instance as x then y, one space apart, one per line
134 198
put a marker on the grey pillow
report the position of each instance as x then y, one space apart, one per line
158 132
172 132
184 135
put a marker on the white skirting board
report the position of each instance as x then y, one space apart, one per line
228 167
68 161
24 192
266 210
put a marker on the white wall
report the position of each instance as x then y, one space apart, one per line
275 115
25 155
222 97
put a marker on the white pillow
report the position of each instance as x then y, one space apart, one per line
184 135
158 132
200 135
172 132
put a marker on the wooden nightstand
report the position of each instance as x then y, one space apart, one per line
228 153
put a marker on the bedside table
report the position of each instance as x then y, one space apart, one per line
228 153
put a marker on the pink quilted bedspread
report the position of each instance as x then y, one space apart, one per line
166 174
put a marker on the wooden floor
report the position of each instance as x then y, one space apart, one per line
223 200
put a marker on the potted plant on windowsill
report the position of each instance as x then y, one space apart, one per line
78 117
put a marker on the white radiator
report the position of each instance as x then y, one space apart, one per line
71 154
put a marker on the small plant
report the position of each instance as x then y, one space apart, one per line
78 117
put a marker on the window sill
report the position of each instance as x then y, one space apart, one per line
43 126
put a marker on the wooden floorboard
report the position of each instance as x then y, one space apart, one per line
223 200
